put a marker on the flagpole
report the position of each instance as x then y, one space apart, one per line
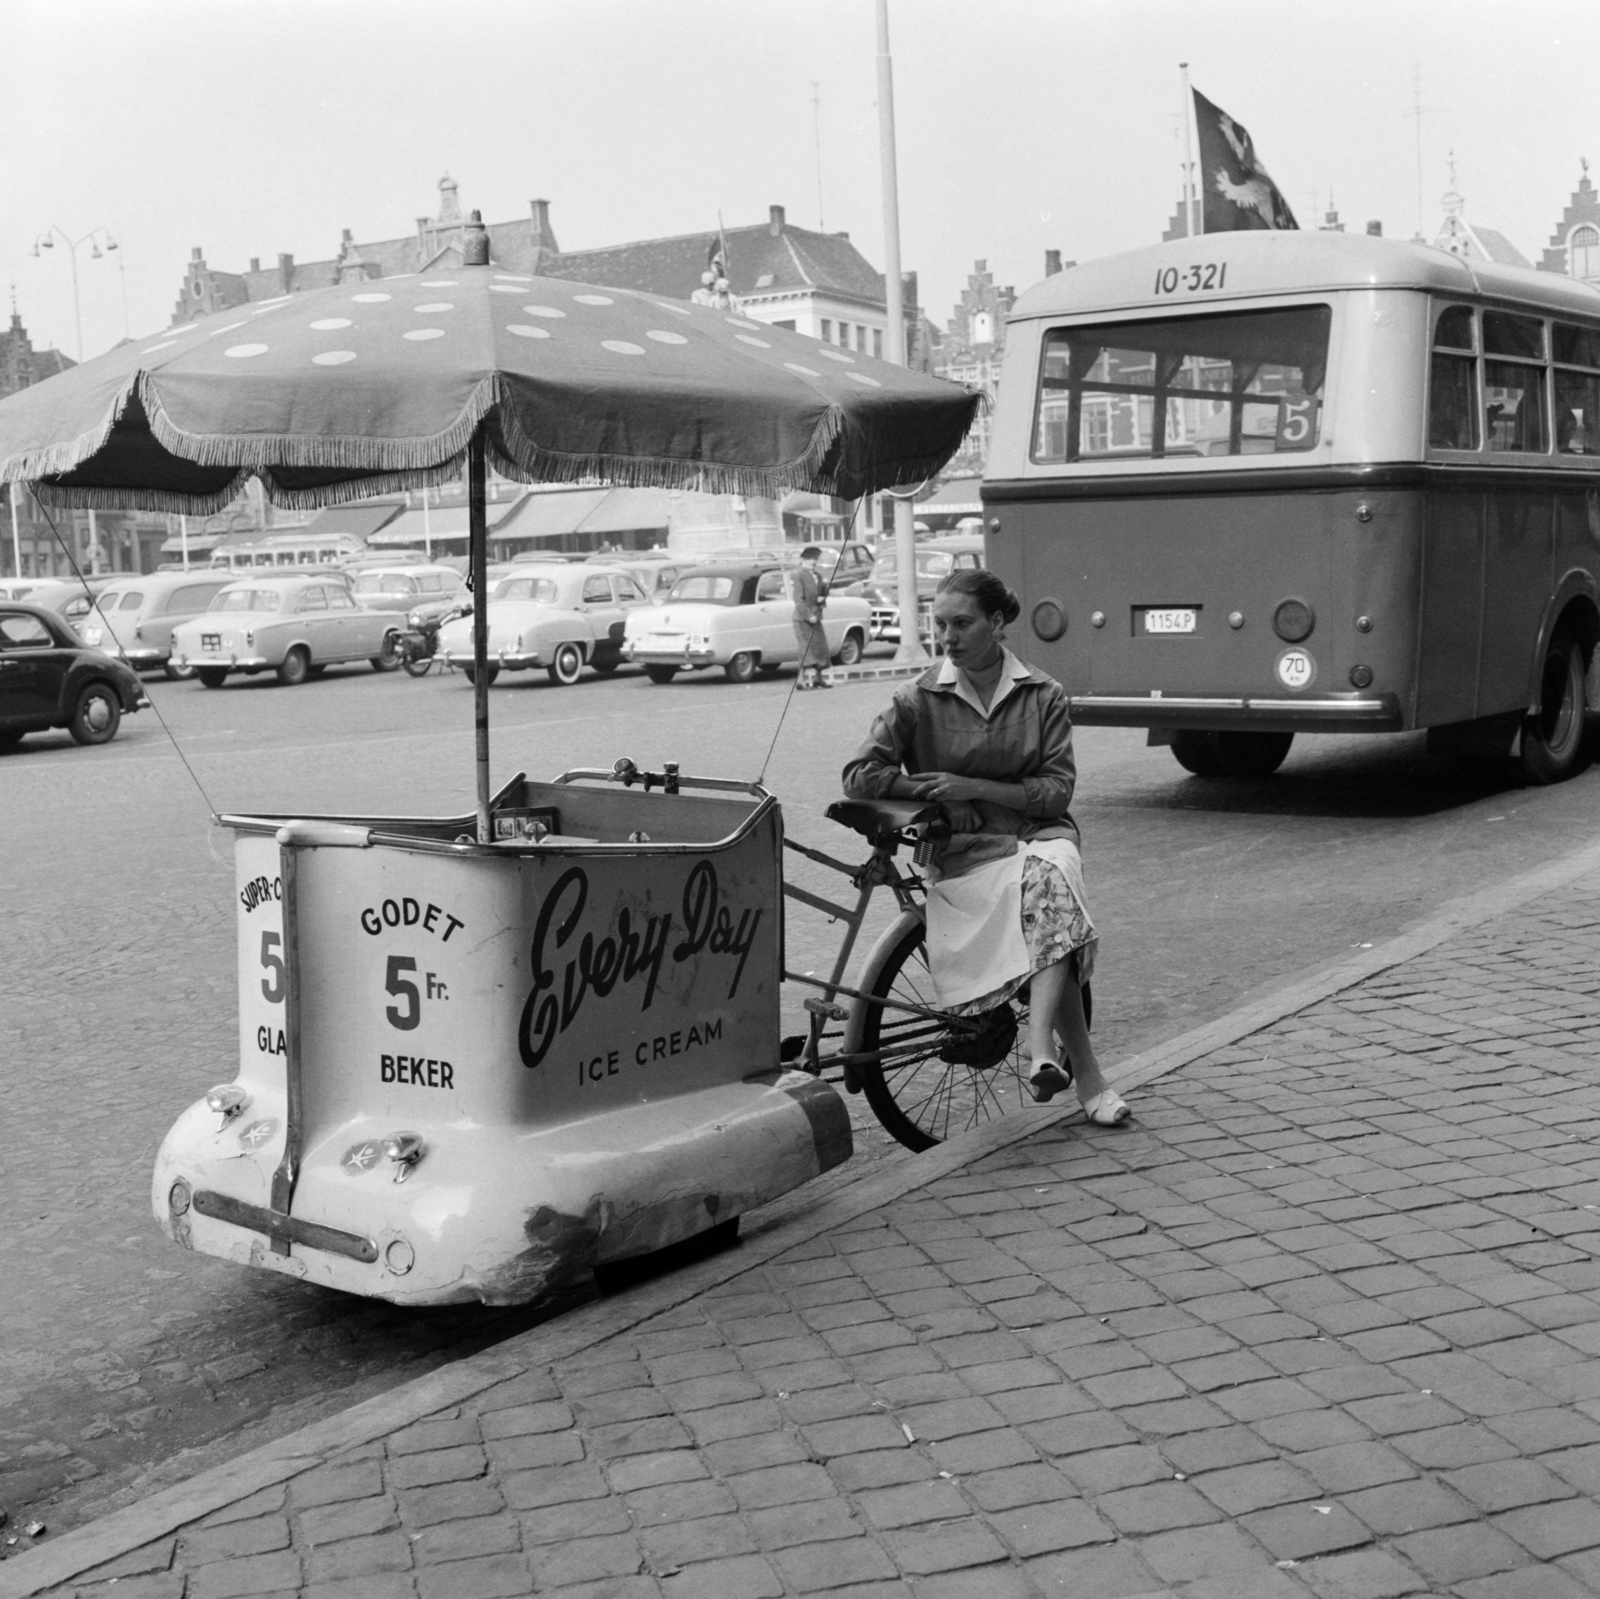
1189 196
16 540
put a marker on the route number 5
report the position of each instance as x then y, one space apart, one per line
272 985
405 1016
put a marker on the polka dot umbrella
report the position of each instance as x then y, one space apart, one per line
396 383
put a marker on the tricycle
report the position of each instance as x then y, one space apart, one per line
479 1071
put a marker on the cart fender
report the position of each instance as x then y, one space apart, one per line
870 972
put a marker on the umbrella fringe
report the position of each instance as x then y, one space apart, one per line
102 499
56 459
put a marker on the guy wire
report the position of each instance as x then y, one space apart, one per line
77 572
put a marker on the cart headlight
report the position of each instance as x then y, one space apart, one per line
227 1100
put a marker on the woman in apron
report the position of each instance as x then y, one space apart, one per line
989 739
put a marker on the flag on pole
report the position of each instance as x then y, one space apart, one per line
1235 189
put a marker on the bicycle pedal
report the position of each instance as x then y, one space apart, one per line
827 1009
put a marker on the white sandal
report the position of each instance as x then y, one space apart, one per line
1106 1109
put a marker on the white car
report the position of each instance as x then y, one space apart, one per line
561 616
740 618
135 617
295 626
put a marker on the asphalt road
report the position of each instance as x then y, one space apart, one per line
125 1361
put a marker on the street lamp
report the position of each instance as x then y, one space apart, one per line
96 238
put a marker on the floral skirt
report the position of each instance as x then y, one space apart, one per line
1055 924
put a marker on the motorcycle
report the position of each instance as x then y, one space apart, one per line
419 639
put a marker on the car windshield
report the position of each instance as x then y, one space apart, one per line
709 588
930 563
246 600
384 583
540 590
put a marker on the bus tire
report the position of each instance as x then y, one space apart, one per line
1209 753
1553 746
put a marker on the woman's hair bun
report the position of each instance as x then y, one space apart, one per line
990 595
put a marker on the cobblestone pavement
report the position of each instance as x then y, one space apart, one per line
1326 1322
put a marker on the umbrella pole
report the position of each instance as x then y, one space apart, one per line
478 555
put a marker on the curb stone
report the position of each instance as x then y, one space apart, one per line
117 1534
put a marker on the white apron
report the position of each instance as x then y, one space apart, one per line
975 939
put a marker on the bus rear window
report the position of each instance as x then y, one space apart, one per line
1245 384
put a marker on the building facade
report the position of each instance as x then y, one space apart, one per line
1574 246
817 284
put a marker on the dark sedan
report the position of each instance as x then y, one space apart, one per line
50 678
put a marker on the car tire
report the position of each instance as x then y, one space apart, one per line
211 676
851 650
566 665
295 667
660 674
605 668
388 657
742 668
97 715
10 739
490 673
177 674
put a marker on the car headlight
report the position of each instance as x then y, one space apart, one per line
414 619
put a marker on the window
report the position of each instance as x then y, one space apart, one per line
706 587
627 589
131 601
24 633
1249 383
339 600
312 599
1453 382
596 591
538 590
788 324
1583 253
773 586
246 600
877 342
186 601
1577 393
1513 390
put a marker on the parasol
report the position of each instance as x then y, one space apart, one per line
395 383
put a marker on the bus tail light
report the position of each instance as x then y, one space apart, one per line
1049 620
1293 621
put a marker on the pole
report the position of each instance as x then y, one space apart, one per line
16 536
905 538
1189 196
478 556
427 527
183 538
77 315
94 545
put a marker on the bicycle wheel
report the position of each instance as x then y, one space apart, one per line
936 1076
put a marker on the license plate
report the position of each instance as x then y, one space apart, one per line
211 643
1172 619
663 641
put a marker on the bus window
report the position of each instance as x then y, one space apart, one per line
1453 385
1513 391
1577 394
1243 384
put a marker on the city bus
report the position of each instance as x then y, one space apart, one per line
295 548
1257 484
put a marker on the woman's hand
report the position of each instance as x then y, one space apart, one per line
944 788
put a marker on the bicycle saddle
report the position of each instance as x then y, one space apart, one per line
878 818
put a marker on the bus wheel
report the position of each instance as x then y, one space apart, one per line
1220 754
1552 738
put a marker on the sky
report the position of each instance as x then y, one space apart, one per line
250 127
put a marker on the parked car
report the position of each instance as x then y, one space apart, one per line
655 571
420 591
561 616
740 618
72 597
134 617
50 678
844 568
936 558
296 626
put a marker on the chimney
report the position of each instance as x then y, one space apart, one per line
285 273
255 263
1374 230
542 231
196 257
775 221
1052 263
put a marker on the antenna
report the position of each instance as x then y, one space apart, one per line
1416 113
816 134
